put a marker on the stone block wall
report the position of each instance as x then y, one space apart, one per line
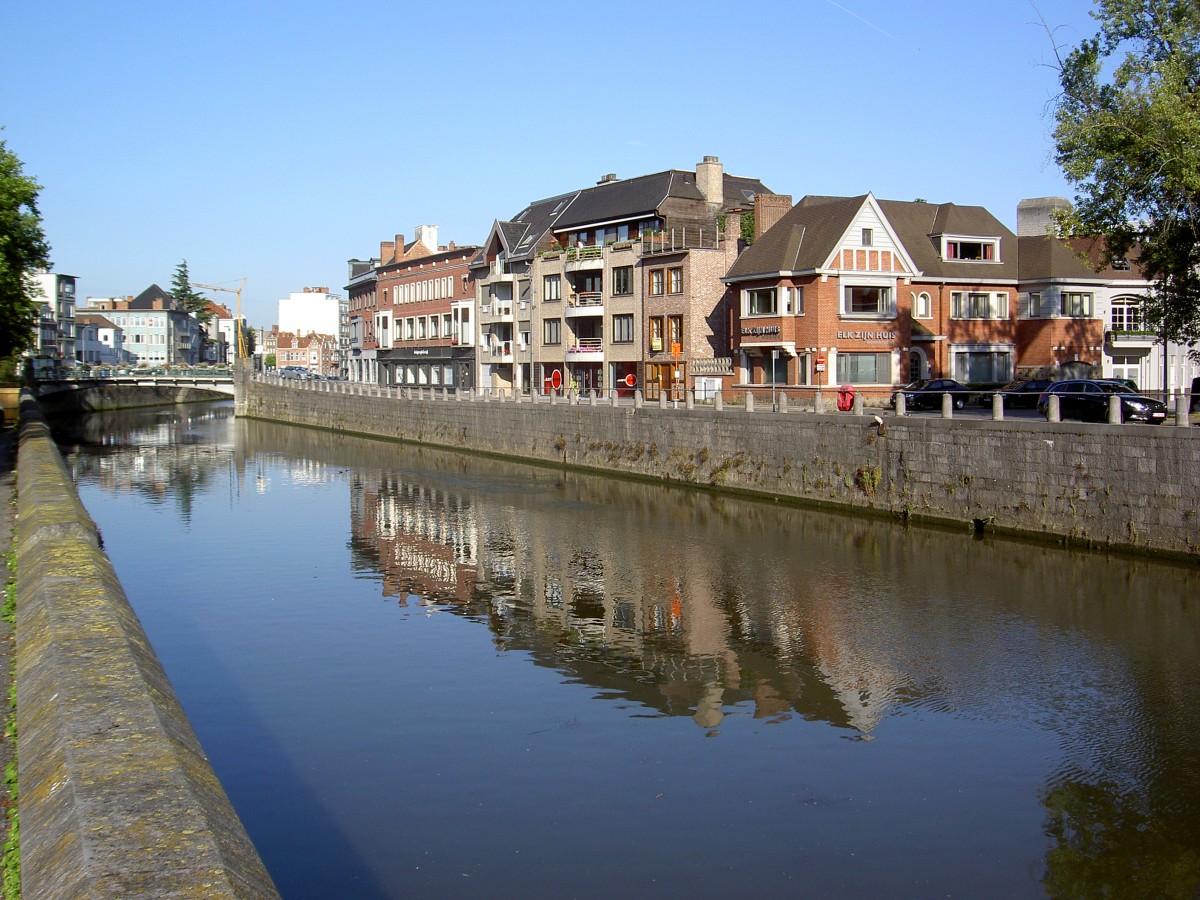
1130 487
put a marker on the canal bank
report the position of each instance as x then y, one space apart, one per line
116 794
1134 488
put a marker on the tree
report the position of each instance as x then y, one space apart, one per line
248 337
1128 139
188 300
23 251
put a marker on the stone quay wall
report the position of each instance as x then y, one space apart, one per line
116 795
1127 487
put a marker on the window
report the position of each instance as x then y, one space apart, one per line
674 331
656 333
552 288
622 281
410 329
433 326
762 302
971 250
1035 304
1120 264
922 306
867 300
864 368
674 281
421 328
978 305
1075 305
446 325
622 327
982 366
1127 314
797 301
868 237
552 331
657 283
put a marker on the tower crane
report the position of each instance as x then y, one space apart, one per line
240 346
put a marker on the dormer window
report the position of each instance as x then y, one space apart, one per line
868 237
970 249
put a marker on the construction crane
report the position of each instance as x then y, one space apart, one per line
240 346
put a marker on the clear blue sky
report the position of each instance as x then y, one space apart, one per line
274 141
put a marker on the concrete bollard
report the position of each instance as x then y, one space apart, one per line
997 407
749 401
783 401
612 397
947 406
637 399
818 402
1114 409
593 396
718 401
901 403
1181 411
1053 414
858 403
662 400
690 403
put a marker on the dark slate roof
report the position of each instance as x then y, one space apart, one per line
146 299
808 233
1044 257
521 235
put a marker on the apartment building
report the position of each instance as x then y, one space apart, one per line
55 336
157 332
874 292
613 287
98 341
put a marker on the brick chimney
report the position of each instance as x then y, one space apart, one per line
710 180
387 249
769 209
1035 215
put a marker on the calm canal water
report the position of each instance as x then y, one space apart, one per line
424 674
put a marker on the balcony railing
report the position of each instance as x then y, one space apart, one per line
576 254
501 348
587 298
673 240
587 345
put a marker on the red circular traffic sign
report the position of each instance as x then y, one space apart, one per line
556 379
630 380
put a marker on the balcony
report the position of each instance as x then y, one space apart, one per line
678 239
579 259
1130 339
496 312
586 350
500 352
585 303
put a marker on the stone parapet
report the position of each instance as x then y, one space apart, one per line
116 795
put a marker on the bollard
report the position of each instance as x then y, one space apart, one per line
1052 409
638 400
901 403
997 407
718 401
749 401
818 402
1114 409
783 403
947 406
1181 411
858 403
662 400
612 397
690 403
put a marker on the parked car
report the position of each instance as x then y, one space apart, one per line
1020 394
1088 401
927 393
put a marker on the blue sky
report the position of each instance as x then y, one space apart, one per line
274 141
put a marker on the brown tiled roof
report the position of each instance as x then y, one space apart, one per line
1044 257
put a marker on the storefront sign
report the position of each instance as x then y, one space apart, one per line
866 335
760 330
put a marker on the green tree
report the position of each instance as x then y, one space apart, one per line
23 251
1128 140
249 339
188 299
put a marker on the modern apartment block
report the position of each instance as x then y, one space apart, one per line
157 332
55 337
613 287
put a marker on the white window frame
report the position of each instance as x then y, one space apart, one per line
959 239
1087 307
747 304
967 305
887 286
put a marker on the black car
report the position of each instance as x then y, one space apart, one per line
927 393
1020 394
1088 401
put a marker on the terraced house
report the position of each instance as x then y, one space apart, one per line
613 287
874 292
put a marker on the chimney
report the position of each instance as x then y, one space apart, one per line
769 209
427 235
387 250
1035 215
607 179
710 180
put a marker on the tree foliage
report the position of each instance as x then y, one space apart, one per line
1128 139
186 297
23 251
